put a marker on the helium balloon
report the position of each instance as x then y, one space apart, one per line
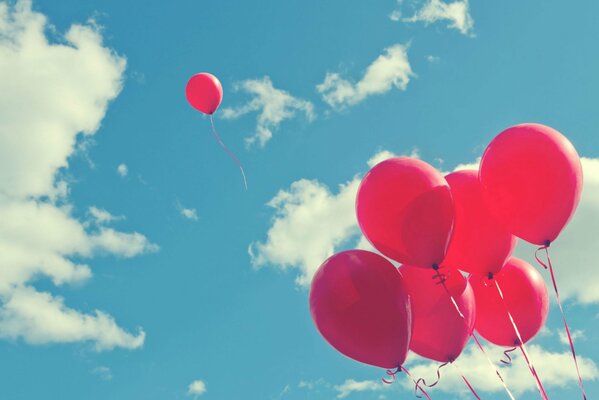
204 92
524 295
360 306
405 210
479 244
439 333
531 180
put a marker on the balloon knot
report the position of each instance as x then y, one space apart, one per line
435 266
547 243
490 275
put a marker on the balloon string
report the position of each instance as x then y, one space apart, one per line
416 383
245 184
431 384
399 369
466 381
482 349
559 302
441 281
508 358
521 345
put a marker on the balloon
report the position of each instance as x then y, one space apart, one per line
479 244
525 296
439 332
360 306
405 210
204 92
531 179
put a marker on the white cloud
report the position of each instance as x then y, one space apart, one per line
351 386
40 318
556 369
56 97
190 213
43 109
390 69
196 388
310 224
122 170
272 105
433 59
102 216
457 14
572 252
395 15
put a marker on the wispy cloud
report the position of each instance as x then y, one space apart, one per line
122 170
456 13
272 105
390 69
196 388
351 386
189 213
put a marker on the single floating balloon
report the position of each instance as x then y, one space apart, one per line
525 297
531 179
405 210
204 92
440 333
479 243
360 306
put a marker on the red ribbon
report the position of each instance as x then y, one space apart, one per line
559 302
466 381
507 390
521 345
432 384
230 153
399 369
507 356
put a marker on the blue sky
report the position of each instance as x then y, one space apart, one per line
161 247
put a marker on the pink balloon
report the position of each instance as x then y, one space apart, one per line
531 179
439 332
204 92
405 210
525 296
360 306
479 244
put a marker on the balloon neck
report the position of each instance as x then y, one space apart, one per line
547 243
435 267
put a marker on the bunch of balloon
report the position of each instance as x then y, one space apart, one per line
374 313
531 180
405 209
438 228
204 92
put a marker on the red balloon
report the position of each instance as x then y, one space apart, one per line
405 210
532 179
360 306
479 244
204 92
526 299
439 332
